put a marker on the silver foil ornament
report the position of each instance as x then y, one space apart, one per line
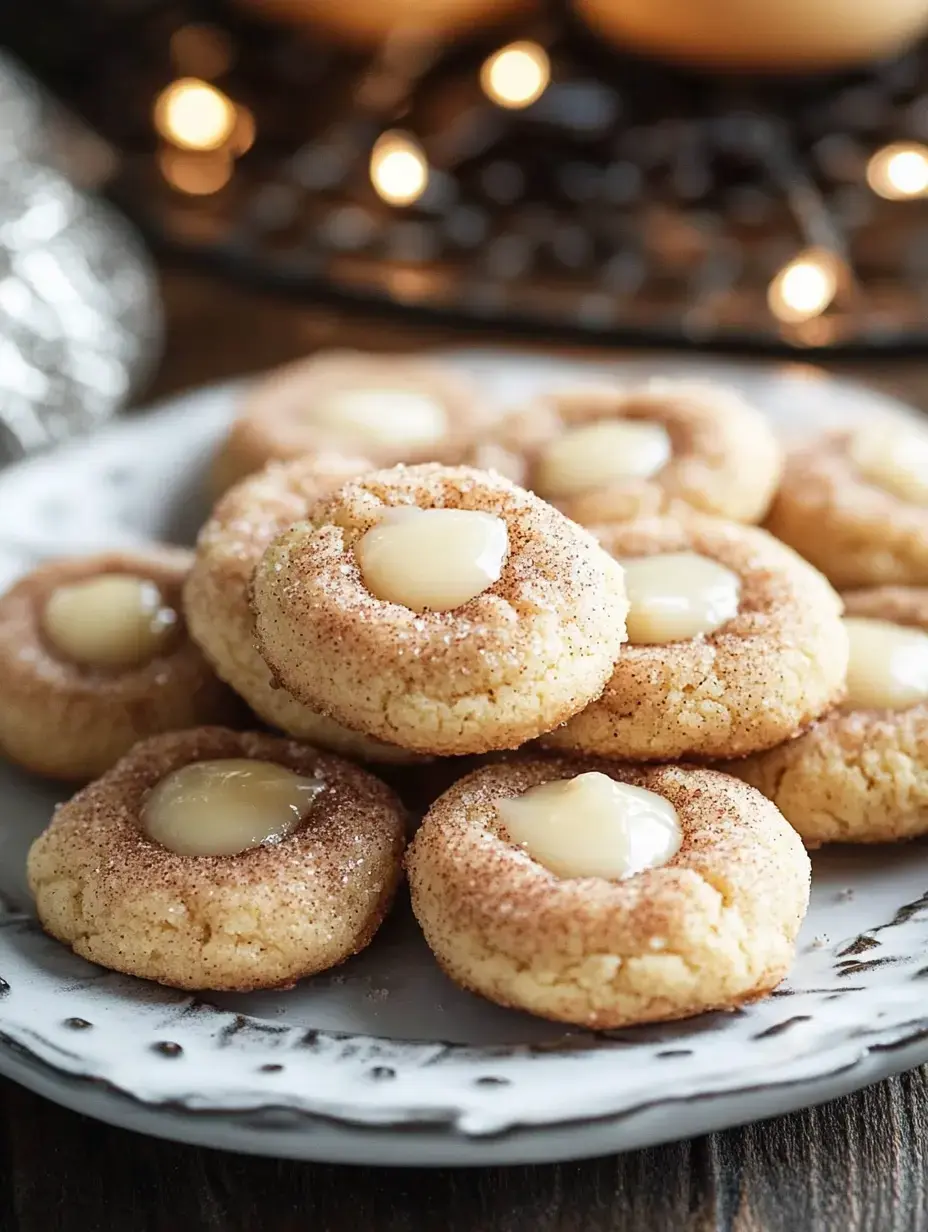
80 322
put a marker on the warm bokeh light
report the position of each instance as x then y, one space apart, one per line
202 50
194 115
399 169
243 134
805 286
199 174
899 171
517 75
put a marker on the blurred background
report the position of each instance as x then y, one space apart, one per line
722 175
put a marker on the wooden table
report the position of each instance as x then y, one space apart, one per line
857 1163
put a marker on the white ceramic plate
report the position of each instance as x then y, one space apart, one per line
384 1060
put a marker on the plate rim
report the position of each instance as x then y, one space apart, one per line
416 1145
336 1142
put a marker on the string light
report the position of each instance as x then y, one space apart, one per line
194 115
517 75
399 169
899 171
805 286
199 174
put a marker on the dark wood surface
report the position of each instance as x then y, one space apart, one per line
856 1163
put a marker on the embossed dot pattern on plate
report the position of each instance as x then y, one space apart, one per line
305 1072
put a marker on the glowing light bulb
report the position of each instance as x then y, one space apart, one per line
194 115
399 169
899 171
805 286
198 174
517 75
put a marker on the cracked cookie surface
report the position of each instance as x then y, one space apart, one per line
855 531
858 776
524 654
304 407
73 720
260 919
724 459
760 678
714 927
217 600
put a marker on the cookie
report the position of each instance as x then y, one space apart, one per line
607 452
547 885
388 408
442 609
855 504
213 859
861 774
94 656
735 644
217 593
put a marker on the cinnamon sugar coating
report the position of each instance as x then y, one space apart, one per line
714 927
859 776
725 461
275 423
856 532
72 721
525 654
759 679
217 593
261 919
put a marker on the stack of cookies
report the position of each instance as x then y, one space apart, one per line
641 706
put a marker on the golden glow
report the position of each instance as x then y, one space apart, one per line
899 171
194 115
805 286
399 169
195 173
243 134
517 75
202 50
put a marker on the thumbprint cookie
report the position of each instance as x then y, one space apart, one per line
94 655
607 895
861 774
389 408
608 452
734 645
442 609
212 859
855 504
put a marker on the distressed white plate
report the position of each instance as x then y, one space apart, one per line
385 1061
